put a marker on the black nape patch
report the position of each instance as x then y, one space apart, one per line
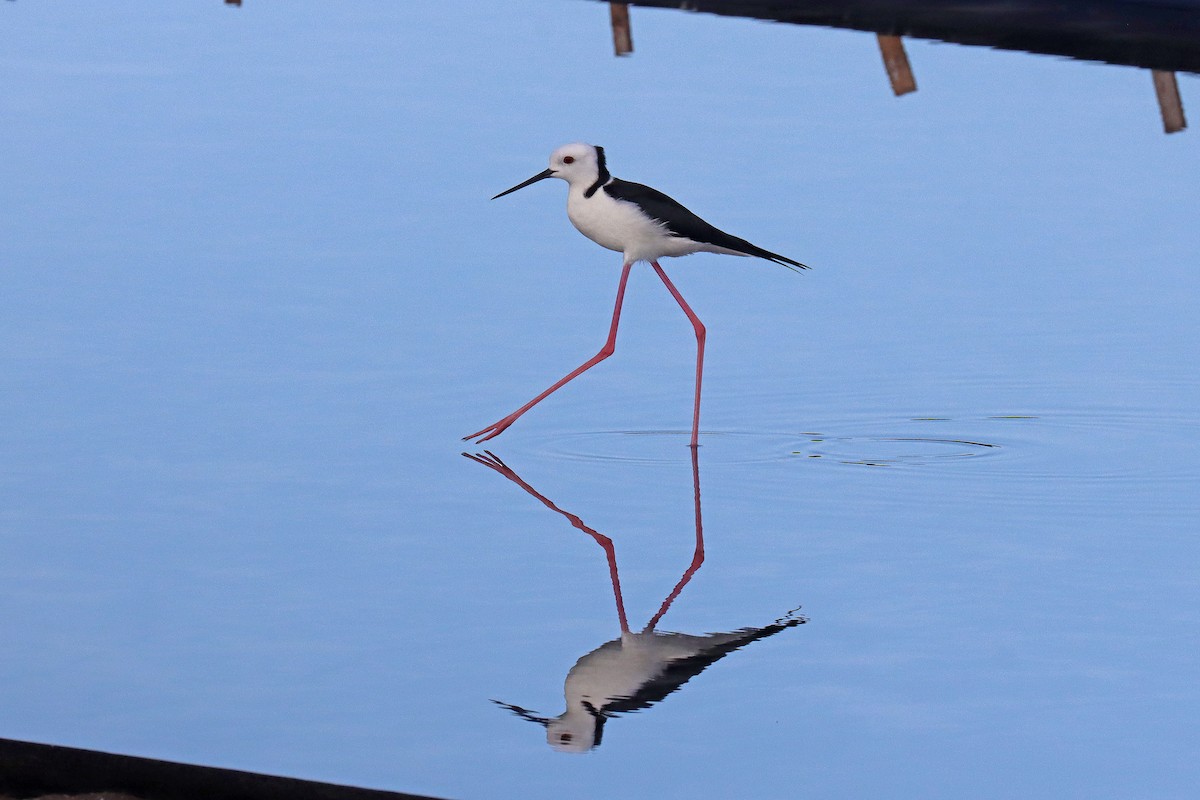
602 168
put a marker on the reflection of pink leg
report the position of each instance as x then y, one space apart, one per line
697 556
698 326
497 428
490 460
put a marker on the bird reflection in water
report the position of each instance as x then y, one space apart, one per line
638 669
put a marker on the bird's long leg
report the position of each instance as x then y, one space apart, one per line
698 326
697 554
496 428
489 459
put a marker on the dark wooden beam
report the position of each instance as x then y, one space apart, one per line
1153 34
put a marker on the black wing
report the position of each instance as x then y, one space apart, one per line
683 223
682 670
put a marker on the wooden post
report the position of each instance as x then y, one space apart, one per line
622 33
1169 102
895 61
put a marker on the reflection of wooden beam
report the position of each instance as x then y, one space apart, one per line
895 61
622 34
1169 103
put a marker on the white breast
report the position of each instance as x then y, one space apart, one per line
621 226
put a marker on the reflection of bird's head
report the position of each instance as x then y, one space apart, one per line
570 732
576 733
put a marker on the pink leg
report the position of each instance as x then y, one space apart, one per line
697 554
499 427
488 459
698 326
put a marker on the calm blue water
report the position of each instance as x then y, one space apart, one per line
253 293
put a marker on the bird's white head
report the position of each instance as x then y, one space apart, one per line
576 163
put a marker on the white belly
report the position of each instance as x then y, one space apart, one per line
621 226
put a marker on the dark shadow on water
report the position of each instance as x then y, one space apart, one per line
639 668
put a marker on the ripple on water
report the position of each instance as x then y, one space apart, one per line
1093 445
890 451
843 446
670 446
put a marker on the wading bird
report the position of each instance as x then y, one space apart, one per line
644 225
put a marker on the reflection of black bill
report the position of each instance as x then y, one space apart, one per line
523 713
539 177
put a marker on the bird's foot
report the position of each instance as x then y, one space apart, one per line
493 430
491 460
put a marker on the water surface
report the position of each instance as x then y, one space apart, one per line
253 293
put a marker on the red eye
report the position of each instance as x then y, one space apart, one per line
568 159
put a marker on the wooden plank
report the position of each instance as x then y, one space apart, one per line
622 33
1169 102
895 61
